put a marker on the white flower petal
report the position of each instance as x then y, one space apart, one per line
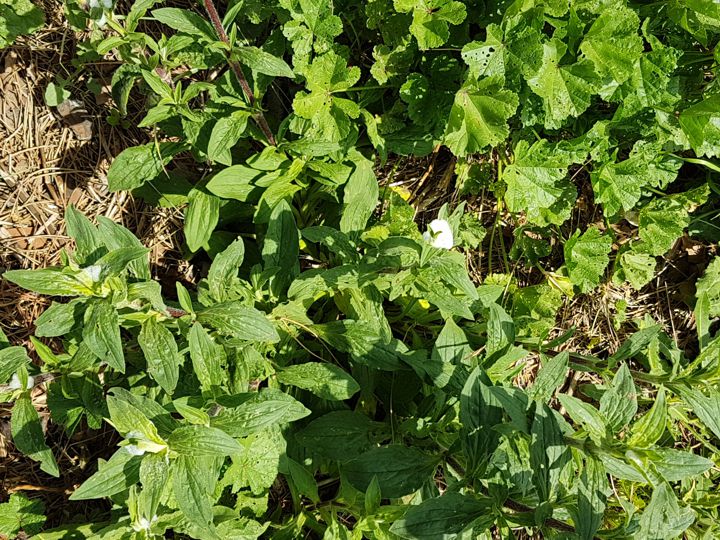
439 234
16 385
107 4
93 272
134 450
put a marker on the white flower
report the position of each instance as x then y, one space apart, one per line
93 272
94 4
107 4
134 450
101 22
439 234
15 382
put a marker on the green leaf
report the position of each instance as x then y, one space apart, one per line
650 427
360 196
265 409
339 435
480 412
708 300
101 333
236 182
17 18
154 475
700 123
193 487
592 495
450 351
324 380
585 415
258 465
185 21
634 345
537 184
636 267
664 518
441 518
619 402
201 217
11 359
130 421
705 407
548 452
115 236
224 270
21 514
263 62
500 330
281 247
207 358
676 465
565 89
431 19
161 353
662 221
302 478
202 441
550 377
59 319
400 470
479 116
27 434
225 134
586 257
51 281
613 44
240 321
139 164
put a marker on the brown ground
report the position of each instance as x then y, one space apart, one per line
44 167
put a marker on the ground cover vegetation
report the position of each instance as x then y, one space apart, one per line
336 351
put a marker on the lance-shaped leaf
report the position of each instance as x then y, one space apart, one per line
161 353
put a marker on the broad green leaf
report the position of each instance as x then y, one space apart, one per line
708 300
431 19
59 319
201 217
500 330
700 123
101 333
335 241
450 351
116 475
400 470
225 134
240 321
441 518
131 422
193 488
636 267
86 236
676 465
139 164
662 221
281 248
480 412
324 380
51 281
202 441
115 236
224 270
21 514
706 406
236 182
648 429
300 476
263 62
265 409
11 359
207 358
550 377
537 184
664 518
154 474
28 437
634 345
593 490
565 89
613 44
17 18
339 435
586 415
586 257
258 463
619 402
161 354
360 196
548 452
479 116
185 21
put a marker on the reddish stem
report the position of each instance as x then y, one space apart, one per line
237 69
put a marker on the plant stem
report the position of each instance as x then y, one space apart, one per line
258 115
